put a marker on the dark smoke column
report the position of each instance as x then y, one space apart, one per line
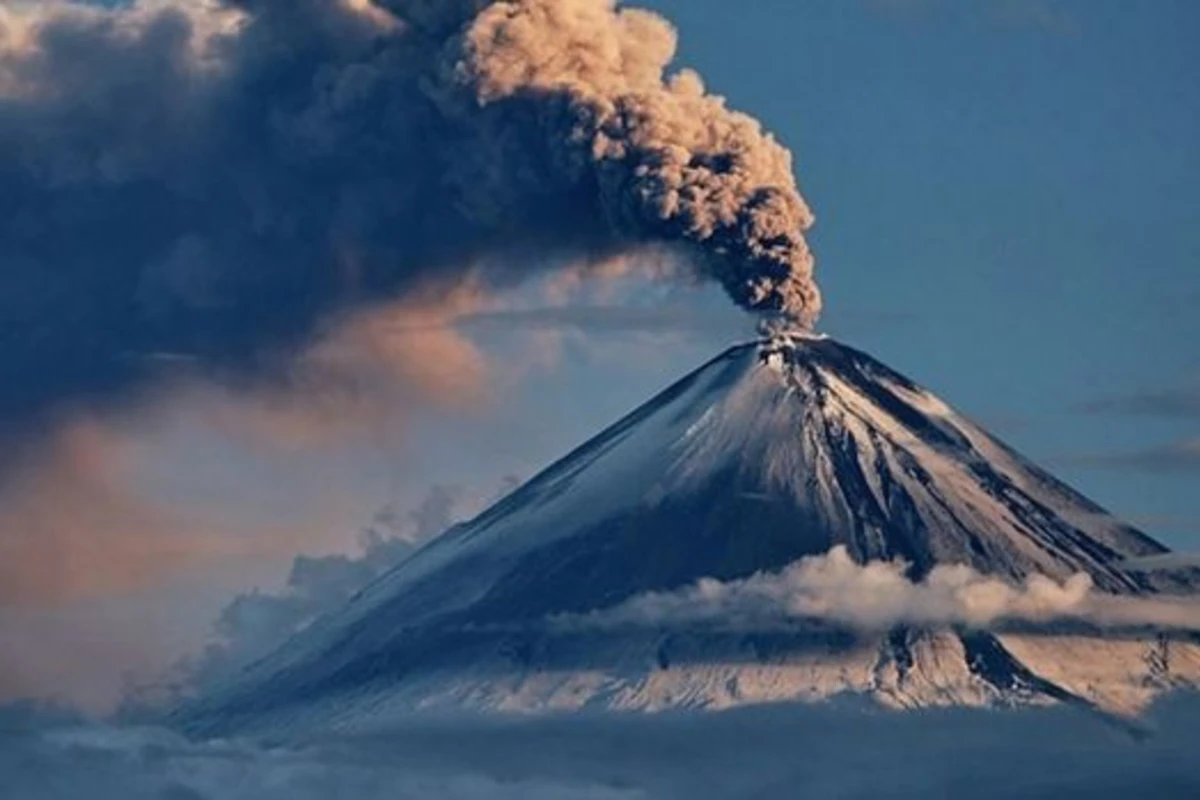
668 161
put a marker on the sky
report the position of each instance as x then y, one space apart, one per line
1006 211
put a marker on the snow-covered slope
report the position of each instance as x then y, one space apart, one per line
773 451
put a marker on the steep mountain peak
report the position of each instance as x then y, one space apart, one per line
776 450
800 431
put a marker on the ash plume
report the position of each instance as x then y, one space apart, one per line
222 183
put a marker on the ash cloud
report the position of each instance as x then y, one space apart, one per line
222 183
879 595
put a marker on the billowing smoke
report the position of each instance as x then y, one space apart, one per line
879 595
218 184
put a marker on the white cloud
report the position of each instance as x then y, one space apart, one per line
879 595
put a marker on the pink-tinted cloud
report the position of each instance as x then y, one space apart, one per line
74 525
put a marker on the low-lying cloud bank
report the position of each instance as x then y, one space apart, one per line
878 595
764 752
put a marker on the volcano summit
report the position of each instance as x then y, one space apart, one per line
789 448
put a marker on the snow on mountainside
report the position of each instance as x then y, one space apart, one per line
773 451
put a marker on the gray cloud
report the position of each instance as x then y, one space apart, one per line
67 762
223 182
1177 402
1170 457
604 319
828 750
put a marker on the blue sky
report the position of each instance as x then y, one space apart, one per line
1007 211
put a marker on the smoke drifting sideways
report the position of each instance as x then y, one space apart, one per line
219 184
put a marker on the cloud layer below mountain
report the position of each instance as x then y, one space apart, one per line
765 752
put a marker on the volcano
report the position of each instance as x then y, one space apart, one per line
776 450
